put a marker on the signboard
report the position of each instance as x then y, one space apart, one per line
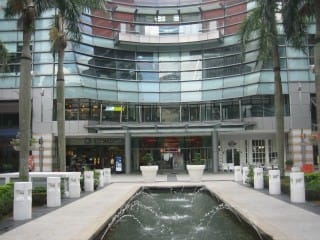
118 160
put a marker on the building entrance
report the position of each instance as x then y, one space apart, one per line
233 156
172 153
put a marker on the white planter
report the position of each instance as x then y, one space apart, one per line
195 172
149 173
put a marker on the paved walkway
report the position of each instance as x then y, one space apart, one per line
78 219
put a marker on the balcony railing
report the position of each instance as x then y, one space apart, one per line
169 34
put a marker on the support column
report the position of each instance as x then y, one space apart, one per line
215 155
127 146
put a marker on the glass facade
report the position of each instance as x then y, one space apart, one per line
257 106
178 63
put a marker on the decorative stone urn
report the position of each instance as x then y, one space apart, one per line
149 173
195 172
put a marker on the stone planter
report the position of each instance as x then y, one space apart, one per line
195 172
149 173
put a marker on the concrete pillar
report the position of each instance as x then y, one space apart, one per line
237 174
88 181
274 182
53 192
22 203
297 187
74 185
107 175
101 177
258 178
245 171
127 153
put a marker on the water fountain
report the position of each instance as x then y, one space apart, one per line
177 213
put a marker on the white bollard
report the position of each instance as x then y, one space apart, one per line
237 174
101 177
22 204
245 171
53 192
258 178
274 182
107 175
88 181
297 188
74 185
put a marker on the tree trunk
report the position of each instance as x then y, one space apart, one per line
61 112
61 45
317 68
278 104
25 95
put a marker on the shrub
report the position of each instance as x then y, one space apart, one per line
197 160
312 183
250 176
285 185
148 159
39 196
6 199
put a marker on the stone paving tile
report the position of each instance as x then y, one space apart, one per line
219 183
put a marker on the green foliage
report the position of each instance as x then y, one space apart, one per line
285 185
196 160
313 178
250 176
39 196
6 199
96 176
289 163
312 182
148 159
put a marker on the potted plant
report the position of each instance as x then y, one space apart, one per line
149 169
196 168
289 164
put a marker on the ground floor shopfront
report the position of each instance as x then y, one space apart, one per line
171 147
124 151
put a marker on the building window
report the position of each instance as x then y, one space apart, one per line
170 114
258 152
230 110
72 109
150 113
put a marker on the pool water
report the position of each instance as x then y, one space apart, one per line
178 214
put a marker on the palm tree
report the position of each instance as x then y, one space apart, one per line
297 15
4 57
26 11
261 23
66 27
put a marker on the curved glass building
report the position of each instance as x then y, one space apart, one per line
165 77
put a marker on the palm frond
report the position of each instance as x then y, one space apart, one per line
4 57
296 18
14 8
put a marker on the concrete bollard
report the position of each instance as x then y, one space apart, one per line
74 185
258 178
237 174
53 192
88 181
245 171
274 182
107 175
22 203
297 187
101 177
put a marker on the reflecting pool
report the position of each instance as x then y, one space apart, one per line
178 214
